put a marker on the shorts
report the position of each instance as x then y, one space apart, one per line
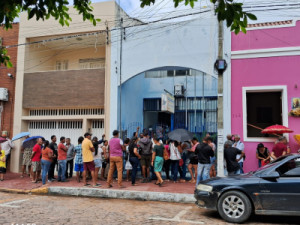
98 163
36 166
146 160
89 166
158 164
27 157
3 170
194 161
78 167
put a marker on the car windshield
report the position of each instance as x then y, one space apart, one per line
273 163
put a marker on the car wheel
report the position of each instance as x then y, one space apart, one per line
234 207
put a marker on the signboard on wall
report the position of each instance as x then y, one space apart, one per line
167 103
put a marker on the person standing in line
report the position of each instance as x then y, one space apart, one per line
158 160
97 154
146 153
239 145
212 172
184 156
167 161
62 160
26 162
36 160
53 147
70 158
174 157
2 164
7 146
78 159
204 152
193 162
88 159
47 155
134 158
105 159
116 149
230 154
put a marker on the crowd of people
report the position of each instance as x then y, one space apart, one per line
95 160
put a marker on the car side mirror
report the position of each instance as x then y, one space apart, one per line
271 175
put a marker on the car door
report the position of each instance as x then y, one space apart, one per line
282 193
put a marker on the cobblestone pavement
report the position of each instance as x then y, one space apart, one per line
32 209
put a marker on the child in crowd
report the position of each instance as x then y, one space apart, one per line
2 165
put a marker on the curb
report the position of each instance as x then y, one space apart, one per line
122 194
107 193
37 191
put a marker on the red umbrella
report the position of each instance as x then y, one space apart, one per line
276 129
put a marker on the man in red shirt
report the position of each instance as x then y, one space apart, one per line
62 160
280 148
36 160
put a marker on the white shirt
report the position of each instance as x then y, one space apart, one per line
99 155
7 146
174 153
239 145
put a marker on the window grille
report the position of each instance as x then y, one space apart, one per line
65 112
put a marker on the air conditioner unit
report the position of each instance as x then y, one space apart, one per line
178 90
3 94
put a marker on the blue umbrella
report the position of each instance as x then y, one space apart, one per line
20 135
30 142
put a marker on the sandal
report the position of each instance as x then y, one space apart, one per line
86 185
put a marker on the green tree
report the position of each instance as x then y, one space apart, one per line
41 10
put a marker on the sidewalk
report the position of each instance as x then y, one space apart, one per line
171 192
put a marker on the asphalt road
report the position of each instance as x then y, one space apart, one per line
33 209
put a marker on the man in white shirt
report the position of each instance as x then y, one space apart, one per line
7 146
239 145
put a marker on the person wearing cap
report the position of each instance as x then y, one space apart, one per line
116 149
263 155
88 159
7 146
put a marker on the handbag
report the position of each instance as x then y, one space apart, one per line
166 155
181 162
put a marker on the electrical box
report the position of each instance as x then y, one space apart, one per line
3 94
178 90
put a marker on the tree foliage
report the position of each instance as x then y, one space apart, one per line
41 10
226 10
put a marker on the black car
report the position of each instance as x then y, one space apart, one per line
271 190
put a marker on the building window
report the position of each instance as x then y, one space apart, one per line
263 107
62 65
92 63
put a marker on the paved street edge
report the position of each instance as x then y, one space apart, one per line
107 193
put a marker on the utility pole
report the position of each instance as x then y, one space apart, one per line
120 91
220 140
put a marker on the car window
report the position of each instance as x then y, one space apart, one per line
290 168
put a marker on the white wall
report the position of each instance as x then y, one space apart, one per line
191 44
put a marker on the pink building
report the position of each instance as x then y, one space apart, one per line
265 72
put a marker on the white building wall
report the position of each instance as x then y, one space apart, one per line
191 44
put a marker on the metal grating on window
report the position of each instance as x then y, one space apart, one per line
65 112
42 125
97 124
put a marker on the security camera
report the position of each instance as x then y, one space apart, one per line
10 75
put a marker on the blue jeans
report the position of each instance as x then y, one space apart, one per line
174 169
241 167
62 166
45 167
202 172
135 163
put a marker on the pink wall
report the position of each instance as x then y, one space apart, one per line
267 38
282 70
